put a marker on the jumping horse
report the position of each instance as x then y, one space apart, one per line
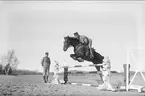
81 52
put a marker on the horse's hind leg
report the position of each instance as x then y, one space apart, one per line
101 76
99 72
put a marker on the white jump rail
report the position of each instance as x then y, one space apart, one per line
90 65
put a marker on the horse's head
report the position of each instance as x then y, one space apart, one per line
66 43
69 41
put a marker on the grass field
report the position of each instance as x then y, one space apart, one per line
32 85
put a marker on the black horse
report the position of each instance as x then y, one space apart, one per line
81 52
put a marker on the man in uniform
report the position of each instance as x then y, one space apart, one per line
86 41
46 65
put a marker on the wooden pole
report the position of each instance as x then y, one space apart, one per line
65 75
126 75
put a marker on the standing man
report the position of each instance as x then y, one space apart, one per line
86 41
46 65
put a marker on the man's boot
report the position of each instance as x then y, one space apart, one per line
65 82
44 79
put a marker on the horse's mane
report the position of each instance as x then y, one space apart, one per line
73 38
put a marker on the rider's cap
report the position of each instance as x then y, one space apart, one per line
76 33
46 53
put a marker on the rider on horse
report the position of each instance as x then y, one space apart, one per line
86 41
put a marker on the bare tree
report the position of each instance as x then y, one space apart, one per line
2 69
4 60
10 61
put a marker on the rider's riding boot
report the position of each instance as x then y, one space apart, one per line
91 53
44 79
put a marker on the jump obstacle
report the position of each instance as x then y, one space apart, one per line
106 84
105 75
66 72
127 80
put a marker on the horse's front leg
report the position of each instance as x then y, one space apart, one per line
73 56
101 76
76 58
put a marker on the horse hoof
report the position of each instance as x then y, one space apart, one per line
80 61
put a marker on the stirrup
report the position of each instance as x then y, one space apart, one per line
91 56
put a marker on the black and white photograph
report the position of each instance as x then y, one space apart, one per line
72 48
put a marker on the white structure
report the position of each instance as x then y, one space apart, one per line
55 79
106 73
135 56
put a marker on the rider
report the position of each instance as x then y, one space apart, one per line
86 41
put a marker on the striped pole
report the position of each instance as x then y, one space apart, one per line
84 84
91 65
82 72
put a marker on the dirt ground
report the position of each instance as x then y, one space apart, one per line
32 85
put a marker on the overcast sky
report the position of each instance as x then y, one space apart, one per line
32 28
